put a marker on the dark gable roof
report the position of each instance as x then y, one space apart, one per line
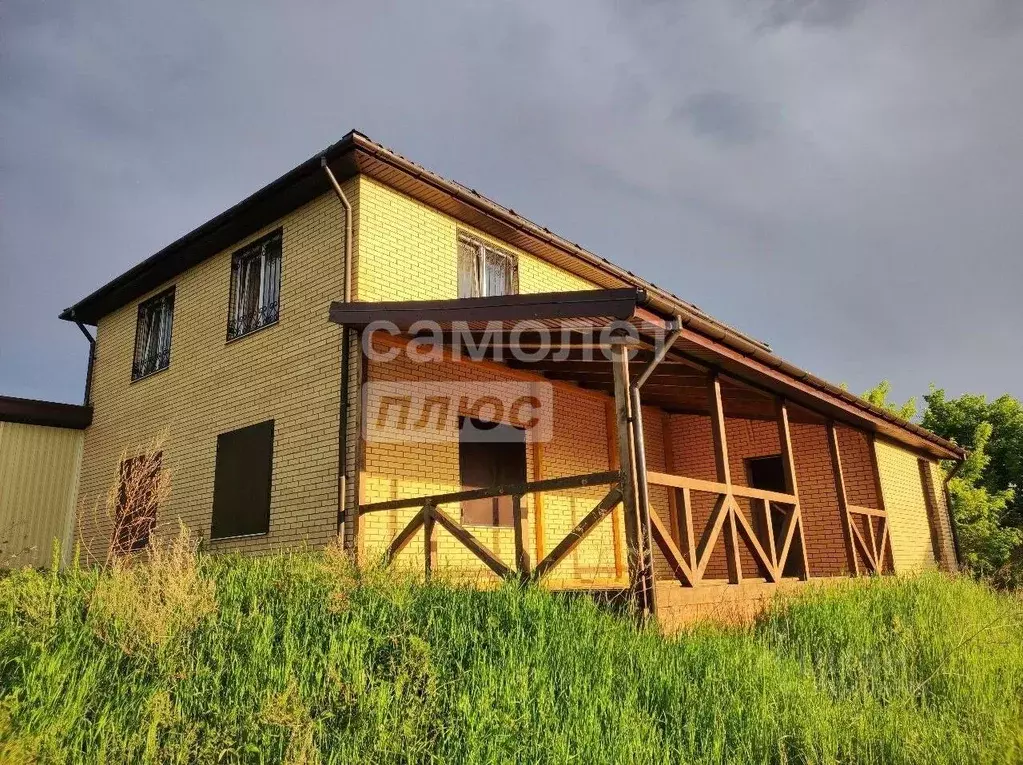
28 411
357 154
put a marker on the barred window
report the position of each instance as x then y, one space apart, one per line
255 286
153 335
484 271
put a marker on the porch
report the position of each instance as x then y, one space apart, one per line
668 473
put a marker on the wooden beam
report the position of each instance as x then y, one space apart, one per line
717 426
697 484
856 509
578 534
474 546
710 535
732 545
788 459
843 501
868 555
538 501
429 543
669 466
685 523
671 553
750 537
772 547
550 484
519 517
405 535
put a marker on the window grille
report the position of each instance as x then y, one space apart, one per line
153 335
255 286
484 271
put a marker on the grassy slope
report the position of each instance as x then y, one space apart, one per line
290 658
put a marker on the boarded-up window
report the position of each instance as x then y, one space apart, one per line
484 271
241 485
490 454
136 502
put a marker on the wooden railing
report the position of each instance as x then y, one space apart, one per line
431 514
690 564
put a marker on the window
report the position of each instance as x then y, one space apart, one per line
255 286
241 482
137 498
153 335
484 271
489 454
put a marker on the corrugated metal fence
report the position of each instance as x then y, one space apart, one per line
39 468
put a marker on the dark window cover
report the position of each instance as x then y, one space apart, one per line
490 454
241 485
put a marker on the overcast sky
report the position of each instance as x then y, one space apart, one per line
843 179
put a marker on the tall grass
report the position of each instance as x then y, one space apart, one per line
298 658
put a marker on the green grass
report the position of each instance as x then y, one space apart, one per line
293 658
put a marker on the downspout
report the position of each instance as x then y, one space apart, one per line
951 515
646 536
92 359
342 431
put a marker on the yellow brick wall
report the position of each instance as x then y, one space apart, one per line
408 251
906 504
288 372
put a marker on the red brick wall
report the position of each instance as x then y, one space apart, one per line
694 457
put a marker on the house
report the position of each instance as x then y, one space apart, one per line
366 348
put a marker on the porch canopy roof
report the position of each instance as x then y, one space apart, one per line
572 324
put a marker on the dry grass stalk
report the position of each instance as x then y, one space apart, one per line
148 604
128 517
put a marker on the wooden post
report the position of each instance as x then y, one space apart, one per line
627 461
724 475
429 543
717 426
613 463
788 461
519 516
843 500
538 521
643 494
669 467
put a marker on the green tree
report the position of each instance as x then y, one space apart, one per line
988 545
878 396
958 418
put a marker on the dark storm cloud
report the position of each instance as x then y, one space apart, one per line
721 117
840 178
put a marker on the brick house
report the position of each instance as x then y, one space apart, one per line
247 344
